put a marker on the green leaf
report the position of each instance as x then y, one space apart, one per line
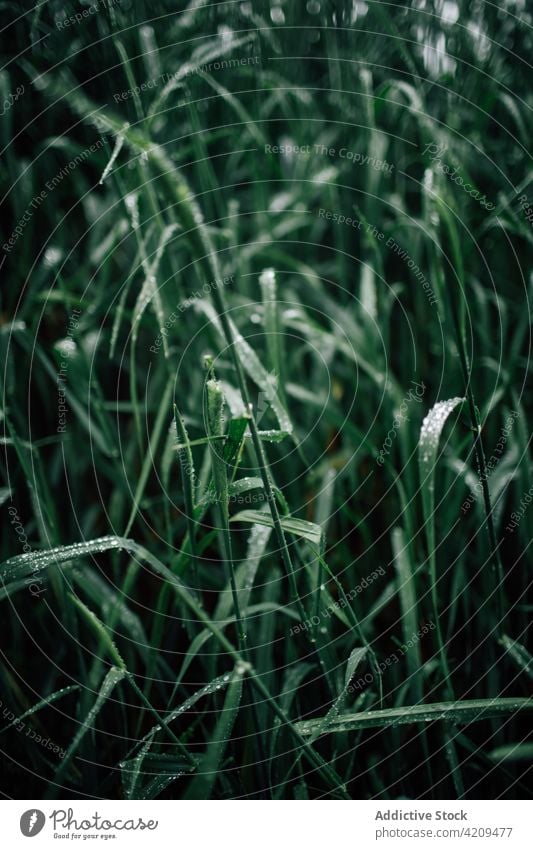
428 447
100 630
113 677
323 724
245 573
298 527
272 323
519 654
214 686
202 784
460 712
252 366
234 441
515 753
159 769
188 477
23 565
407 592
48 700
356 657
111 602
131 769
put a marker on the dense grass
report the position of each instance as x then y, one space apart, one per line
265 331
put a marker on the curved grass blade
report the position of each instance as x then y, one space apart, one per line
202 784
323 724
188 477
106 642
215 685
519 654
24 565
161 769
272 324
458 712
428 448
245 572
113 677
409 608
251 363
131 769
298 527
215 405
112 606
48 700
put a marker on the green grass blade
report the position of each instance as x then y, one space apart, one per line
459 712
428 453
297 527
520 655
188 478
208 769
408 603
48 700
113 677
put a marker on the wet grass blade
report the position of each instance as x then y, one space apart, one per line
520 655
113 677
209 766
297 527
48 700
188 478
409 607
428 454
461 713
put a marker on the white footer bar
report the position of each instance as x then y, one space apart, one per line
268 825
